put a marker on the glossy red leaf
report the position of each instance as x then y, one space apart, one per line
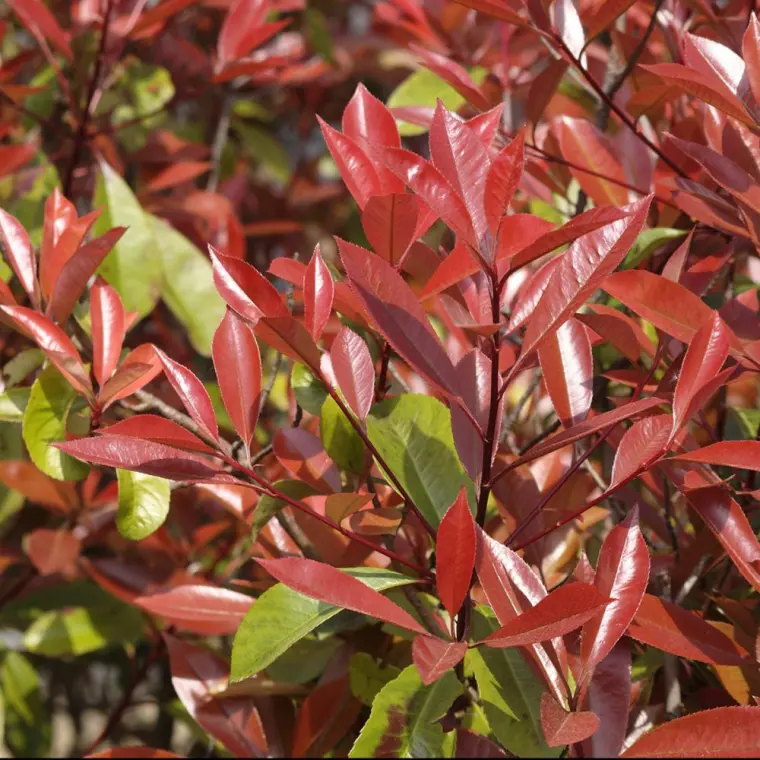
355 167
60 214
581 271
327 584
192 392
474 372
390 224
136 371
18 249
714 61
197 674
36 17
202 609
751 54
52 551
561 611
460 263
561 727
354 371
242 20
743 455
568 371
502 180
622 575
703 361
318 294
433 657
396 312
673 629
237 362
142 456
722 732
455 554
151 427
55 343
109 326
531 293
75 273
641 445
604 16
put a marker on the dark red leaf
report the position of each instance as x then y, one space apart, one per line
562 727
433 657
470 744
673 629
722 732
390 224
622 574
109 326
502 180
642 445
455 554
52 551
354 371
318 294
19 250
751 53
394 309
560 612
326 584
303 455
127 752
151 427
238 371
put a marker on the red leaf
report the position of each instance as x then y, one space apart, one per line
460 263
433 657
238 371
394 309
620 330
318 294
52 551
13 157
109 326
197 674
326 584
722 732
18 248
24 477
136 371
744 455
75 273
151 427
568 371
193 394
302 453
55 343
622 574
241 22
531 294
502 180
454 74
561 727
605 14
354 371
751 53
142 456
641 445
581 270
176 174
673 629
390 224
206 610
717 63
703 361
39 20
355 167
560 612
127 752
60 214
455 554
470 744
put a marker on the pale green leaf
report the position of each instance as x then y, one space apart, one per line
27 721
342 443
22 364
413 435
648 242
143 504
44 422
133 266
13 404
310 393
281 617
271 158
404 718
367 678
188 289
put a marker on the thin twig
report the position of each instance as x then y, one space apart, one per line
220 141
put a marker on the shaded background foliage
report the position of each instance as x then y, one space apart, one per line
138 606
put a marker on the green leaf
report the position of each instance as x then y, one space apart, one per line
133 266
367 678
413 435
304 661
80 630
424 88
225 423
281 617
13 404
318 34
188 290
310 393
743 424
404 718
342 443
509 691
272 159
648 242
143 504
44 422
27 721
23 363
268 506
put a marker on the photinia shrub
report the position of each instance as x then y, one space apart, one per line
477 475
